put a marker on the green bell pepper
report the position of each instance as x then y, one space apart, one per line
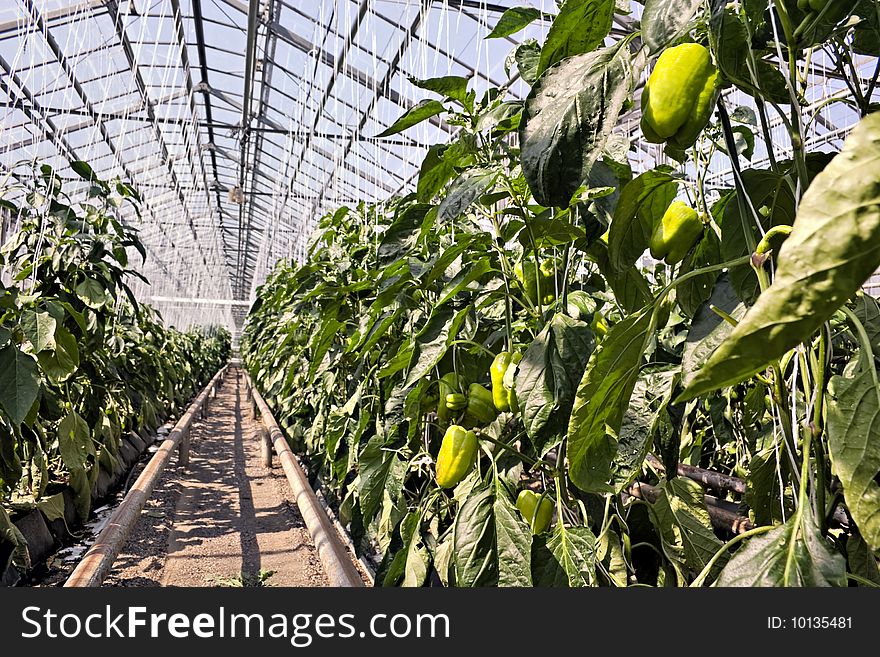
449 384
501 394
480 406
457 456
676 233
538 282
537 510
679 96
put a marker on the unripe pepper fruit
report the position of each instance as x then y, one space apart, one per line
480 405
537 514
458 453
675 234
456 401
679 97
501 395
538 282
449 384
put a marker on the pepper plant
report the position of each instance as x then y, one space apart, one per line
82 362
710 418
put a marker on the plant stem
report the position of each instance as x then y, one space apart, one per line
742 197
818 427
803 502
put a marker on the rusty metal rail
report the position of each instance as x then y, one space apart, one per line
338 566
98 561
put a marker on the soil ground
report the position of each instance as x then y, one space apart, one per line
226 520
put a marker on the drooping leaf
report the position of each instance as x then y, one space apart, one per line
861 559
682 520
580 27
640 423
39 328
400 237
492 543
568 116
59 365
432 340
663 21
602 398
377 467
708 329
465 191
629 233
413 116
833 248
789 555
853 404
513 20
74 441
19 383
565 558
548 376
435 174
92 293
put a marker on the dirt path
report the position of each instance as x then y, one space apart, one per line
225 520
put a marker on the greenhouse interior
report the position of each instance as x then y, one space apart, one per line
440 293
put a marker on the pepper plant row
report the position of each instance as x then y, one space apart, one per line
81 361
481 369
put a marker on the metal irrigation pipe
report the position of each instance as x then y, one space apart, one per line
334 557
98 561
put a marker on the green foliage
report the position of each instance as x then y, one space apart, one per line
747 353
81 362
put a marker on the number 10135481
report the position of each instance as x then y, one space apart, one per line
809 623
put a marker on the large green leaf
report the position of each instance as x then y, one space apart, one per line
378 470
602 398
567 118
465 190
492 543
565 558
74 441
790 555
92 293
580 26
513 20
450 86
548 375
680 517
39 328
435 174
413 116
60 364
630 229
708 329
833 248
854 442
19 382
663 21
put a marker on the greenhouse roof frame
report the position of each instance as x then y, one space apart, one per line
243 121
